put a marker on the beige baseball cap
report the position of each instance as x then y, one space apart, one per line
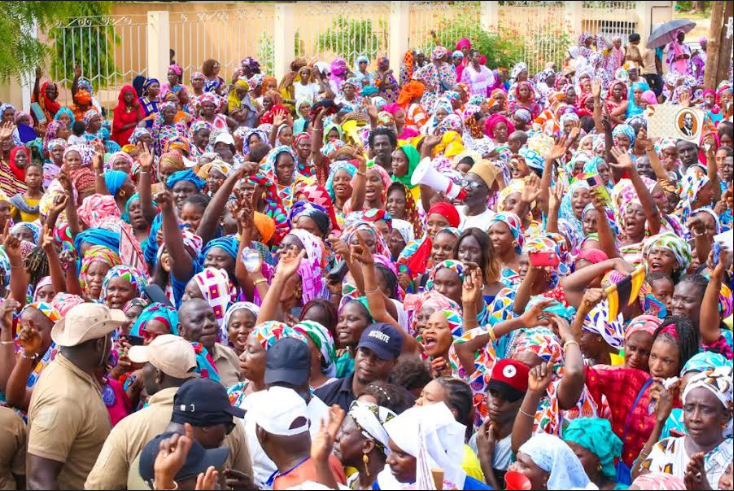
171 354
85 322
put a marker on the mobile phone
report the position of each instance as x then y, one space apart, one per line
339 272
135 341
717 253
156 294
597 187
544 259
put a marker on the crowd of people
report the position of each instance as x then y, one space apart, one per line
360 278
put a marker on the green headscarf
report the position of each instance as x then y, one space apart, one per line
596 436
414 158
333 126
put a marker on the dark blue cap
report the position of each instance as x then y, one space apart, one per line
197 461
289 361
203 402
384 340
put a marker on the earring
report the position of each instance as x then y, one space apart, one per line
366 460
265 195
598 468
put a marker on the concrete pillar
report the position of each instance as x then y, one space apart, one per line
489 16
574 17
159 44
399 37
650 14
284 39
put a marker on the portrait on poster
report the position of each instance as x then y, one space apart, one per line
687 123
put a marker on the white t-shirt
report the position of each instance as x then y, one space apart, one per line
480 221
309 91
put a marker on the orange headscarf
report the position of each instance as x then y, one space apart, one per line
265 225
410 91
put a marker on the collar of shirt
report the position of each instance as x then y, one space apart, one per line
163 397
90 379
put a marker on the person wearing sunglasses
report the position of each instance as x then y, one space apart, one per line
478 184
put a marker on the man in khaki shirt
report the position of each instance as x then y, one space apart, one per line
204 405
67 419
198 324
169 362
12 450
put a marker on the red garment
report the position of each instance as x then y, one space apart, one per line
17 171
49 107
621 387
122 117
269 116
418 262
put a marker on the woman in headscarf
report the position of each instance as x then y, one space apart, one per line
240 105
46 97
433 428
239 321
638 339
525 98
636 104
499 128
121 284
616 102
437 76
405 160
97 261
151 99
679 55
210 104
272 105
165 128
174 77
597 447
410 100
127 114
10 183
710 393
266 200
280 163
362 443
323 353
549 463
155 320
505 231
385 80
361 73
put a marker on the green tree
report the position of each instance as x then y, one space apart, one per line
351 38
85 37
20 51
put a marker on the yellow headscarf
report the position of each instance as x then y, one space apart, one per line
234 102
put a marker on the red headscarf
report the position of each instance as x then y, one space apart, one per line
418 262
49 107
492 123
17 171
120 108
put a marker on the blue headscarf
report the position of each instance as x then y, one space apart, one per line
336 167
567 211
126 215
98 236
632 108
149 82
113 180
64 110
185 175
160 312
150 246
626 130
228 244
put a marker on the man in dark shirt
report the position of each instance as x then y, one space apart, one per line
377 353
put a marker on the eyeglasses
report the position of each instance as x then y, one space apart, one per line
149 336
473 185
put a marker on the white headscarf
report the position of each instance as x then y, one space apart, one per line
442 436
718 381
405 228
554 456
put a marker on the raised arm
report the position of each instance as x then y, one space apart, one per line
7 340
54 264
539 380
100 187
557 151
710 317
213 213
623 163
596 93
71 215
18 278
145 157
359 187
287 266
182 265
574 375
575 284
554 207
709 148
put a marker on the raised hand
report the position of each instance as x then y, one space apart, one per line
472 288
48 241
624 162
556 197
535 316
59 204
685 99
362 253
77 71
559 148
172 455
66 183
144 156
30 340
592 298
342 249
278 120
289 262
11 244
6 130
164 201
209 479
7 309
323 442
532 190
561 327
540 378
596 88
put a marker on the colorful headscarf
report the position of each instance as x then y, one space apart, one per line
492 123
216 287
596 436
324 342
597 322
658 481
35 230
370 419
311 268
718 381
162 313
643 323
46 309
514 224
670 241
428 300
268 333
64 302
98 209
93 254
414 159
185 175
546 243
703 362
455 266
135 277
626 130
45 281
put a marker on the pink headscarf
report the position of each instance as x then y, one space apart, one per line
97 209
492 123
644 323
463 43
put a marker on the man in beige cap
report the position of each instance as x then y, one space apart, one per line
168 361
67 419
478 184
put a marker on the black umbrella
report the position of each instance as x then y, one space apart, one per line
665 33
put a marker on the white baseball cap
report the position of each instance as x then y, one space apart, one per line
276 411
171 354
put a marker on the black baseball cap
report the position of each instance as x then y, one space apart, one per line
289 361
198 460
203 402
383 340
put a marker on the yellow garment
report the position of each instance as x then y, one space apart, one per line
470 464
234 102
25 217
617 360
728 322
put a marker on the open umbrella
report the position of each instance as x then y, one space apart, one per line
665 33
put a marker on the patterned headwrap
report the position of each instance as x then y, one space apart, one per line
655 481
514 224
43 282
46 309
703 362
546 243
455 266
544 343
533 159
135 277
93 254
670 241
718 381
98 209
268 333
324 342
311 268
428 300
162 313
35 230
405 229
138 133
643 323
216 287
439 53
692 183
370 419
64 302
626 130
597 322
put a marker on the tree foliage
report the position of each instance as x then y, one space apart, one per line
20 51
86 39
351 38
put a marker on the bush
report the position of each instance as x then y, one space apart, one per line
351 38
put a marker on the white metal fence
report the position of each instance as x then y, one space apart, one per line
112 50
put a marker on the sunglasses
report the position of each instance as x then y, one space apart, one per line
473 185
